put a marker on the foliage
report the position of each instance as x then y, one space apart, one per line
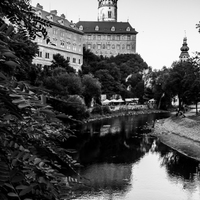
76 107
113 72
92 88
60 61
22 16
31 156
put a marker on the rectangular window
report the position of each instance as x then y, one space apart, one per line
40 54
74 47
108 37
108 46
117 37
98 37
89 37
47 55
68 58
89 46
79 61
62 43
68 45
128 37
98 46
62 34
55 31
74 60
128 46
118 47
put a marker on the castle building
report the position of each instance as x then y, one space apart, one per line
64 38
184 51
106 36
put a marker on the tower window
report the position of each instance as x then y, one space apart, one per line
109 14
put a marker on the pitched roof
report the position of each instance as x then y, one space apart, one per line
106 27
56 20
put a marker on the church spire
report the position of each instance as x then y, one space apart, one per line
184 50
107 10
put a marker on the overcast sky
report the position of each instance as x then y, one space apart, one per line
161 24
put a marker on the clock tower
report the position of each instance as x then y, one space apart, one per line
107 10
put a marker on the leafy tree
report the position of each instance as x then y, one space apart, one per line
137 85
108 83
179 81
92 89
60 61
192 82
72 83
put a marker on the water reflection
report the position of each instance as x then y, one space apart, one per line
124 163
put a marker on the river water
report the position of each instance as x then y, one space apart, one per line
121 162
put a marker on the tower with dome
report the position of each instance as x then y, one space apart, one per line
107 10
184 51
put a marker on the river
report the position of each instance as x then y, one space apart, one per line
121 162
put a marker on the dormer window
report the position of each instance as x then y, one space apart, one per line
38 13
49 17
80 27
128 28
97 28
61 21
113 28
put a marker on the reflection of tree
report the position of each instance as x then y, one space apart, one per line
179 167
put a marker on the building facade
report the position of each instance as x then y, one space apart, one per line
64 38
107 37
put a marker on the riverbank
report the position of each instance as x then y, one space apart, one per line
124 113
180 133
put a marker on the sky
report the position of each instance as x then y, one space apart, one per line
161 24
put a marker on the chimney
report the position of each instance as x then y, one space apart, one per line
53 12
39 6
62 16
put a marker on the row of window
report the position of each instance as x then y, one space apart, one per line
64 44
63 34
109 46
109 37
47 56
97 28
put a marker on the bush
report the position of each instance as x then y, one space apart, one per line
102 110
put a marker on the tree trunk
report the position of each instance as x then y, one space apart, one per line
196 102
179 105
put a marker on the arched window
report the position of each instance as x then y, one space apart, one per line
128 28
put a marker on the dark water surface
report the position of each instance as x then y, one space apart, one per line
121 162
